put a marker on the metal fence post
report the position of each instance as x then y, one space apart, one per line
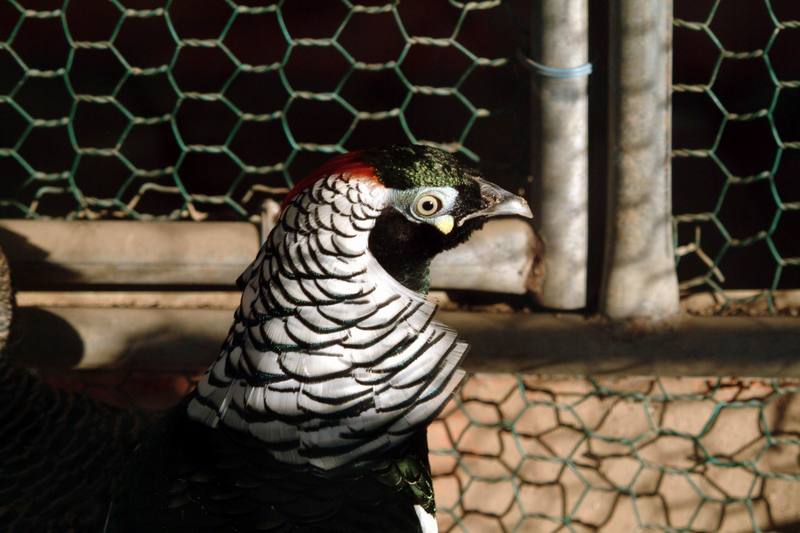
639 278
560 181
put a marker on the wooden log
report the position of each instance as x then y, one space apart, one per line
132 299
498 258
189 339
93 338
50 254
749 302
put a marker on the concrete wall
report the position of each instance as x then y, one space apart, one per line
618 455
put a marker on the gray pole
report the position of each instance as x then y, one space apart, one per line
639 277
560 180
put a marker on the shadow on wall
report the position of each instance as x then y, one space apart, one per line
61 340
155 340
22 255
43 339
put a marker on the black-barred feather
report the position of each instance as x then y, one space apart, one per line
327 345
59 455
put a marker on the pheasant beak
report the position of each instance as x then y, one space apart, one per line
497 202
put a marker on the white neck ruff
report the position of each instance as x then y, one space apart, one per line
329 360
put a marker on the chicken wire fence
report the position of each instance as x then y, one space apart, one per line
736 155
143 109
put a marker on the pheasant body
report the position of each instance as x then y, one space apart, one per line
330 361
313 416
59 456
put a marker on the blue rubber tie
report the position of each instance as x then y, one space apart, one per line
554 72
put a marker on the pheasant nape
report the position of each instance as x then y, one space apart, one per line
313 416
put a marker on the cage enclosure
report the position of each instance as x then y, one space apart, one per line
635 360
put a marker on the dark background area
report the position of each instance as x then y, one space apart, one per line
746 63
199 112
266 101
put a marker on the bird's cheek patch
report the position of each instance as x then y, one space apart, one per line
444 224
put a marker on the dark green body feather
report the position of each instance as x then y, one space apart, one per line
187 477
59 452
59 455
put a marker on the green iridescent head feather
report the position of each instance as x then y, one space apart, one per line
410 166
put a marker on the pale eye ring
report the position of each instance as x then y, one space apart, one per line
428 205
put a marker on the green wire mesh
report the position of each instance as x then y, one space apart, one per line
180 110
736 156
527 453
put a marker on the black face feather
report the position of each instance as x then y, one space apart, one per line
405 248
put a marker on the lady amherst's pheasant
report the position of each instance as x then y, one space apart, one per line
313 416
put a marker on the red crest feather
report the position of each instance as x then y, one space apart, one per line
350 162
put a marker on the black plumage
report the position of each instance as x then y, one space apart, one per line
60 452
189 477
59 455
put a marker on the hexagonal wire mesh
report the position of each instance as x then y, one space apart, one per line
527 453
736 156
136 110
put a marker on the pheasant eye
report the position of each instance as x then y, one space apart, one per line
427 205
